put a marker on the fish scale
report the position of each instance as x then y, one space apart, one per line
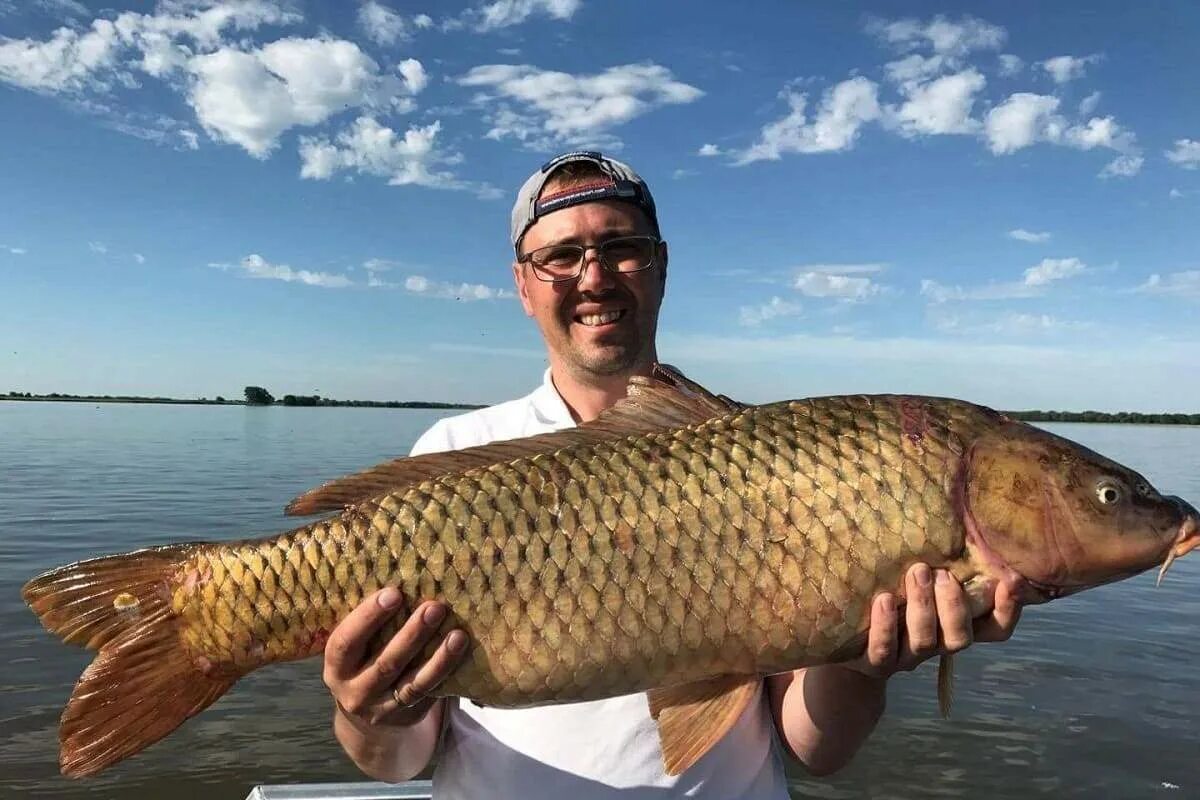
748 544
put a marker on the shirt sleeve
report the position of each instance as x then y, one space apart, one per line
435 440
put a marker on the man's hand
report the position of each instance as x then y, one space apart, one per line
388 687
936 621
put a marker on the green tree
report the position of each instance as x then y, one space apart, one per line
258 396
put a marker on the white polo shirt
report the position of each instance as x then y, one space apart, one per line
587 750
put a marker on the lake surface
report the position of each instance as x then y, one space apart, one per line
1096 696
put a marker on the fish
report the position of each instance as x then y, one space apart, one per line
683 544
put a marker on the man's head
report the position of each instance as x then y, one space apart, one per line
597 321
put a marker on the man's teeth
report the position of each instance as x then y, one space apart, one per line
600 319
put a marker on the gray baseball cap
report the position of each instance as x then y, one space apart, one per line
622 183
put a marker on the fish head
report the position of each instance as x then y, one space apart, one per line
1055 517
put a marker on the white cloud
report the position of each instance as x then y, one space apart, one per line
1022 235
100 248
942 35
1019 121
708 150
418 284
941 106
753 316
844 287
67 62
560 108
1175 194
940 293
1122 167
1010 65
1064 69
422 21
369 148
506 13
139 258
915 68
844 110
1053 269
256 266
680 174
1007 324
250 98
1185 153
382 25
16 251
70 8
1181 284
1088 104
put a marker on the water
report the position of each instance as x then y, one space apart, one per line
1097 695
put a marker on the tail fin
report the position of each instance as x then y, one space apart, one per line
143 684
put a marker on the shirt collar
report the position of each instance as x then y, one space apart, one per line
548 405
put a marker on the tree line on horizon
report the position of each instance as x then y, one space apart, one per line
258 396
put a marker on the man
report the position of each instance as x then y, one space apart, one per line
591 270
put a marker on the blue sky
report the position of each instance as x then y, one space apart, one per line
314 197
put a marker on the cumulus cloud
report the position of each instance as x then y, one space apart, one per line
16 251
506 13
1010 65
139 258
708 150
1123 167
1022 235
1088 104
844 109
370 148
68 61
1025 119
99 248
850 288
941 293
944 36
1064 69
1185 153
382 25
1180 284
1053 269
250 98
753 316
255 266
941 106
418 284
542 109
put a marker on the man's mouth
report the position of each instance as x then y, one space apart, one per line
601 319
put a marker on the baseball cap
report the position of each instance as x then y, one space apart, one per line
621 183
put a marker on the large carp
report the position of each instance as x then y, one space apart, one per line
682 544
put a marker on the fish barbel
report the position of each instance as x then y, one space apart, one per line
682 544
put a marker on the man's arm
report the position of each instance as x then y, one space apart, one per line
824 714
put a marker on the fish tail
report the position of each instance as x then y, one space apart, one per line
143 683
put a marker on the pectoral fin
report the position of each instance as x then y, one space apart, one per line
945 683
693 717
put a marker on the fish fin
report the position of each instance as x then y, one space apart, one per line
139 688
664 401
143 683
945 684
694 716
92 602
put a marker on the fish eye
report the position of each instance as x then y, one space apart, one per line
1108 493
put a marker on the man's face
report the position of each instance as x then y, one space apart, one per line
601 323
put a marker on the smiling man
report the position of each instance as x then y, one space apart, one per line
591 270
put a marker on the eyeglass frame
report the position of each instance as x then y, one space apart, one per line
527 258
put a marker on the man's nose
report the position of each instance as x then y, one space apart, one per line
593 276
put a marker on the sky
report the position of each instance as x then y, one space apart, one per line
314 197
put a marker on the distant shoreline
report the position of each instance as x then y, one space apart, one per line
1119 418
203 401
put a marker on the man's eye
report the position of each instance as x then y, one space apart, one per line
560 256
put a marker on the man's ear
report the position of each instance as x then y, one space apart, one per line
663 255
519 279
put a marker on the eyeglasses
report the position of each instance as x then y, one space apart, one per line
564 262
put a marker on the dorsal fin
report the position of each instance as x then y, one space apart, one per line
665 401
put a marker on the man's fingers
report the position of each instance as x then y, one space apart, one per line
348 642
883 640
397 655
415 686
953 614
920 618
999 625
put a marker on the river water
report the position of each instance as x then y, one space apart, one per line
1096 696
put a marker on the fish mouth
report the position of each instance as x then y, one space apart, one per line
1187 540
